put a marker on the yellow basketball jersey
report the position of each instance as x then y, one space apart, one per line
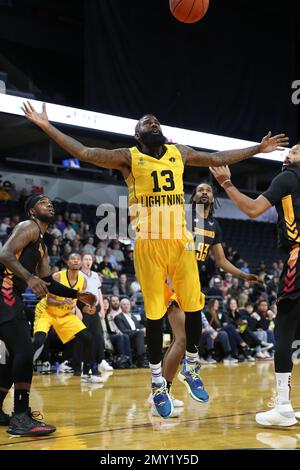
63 309
156 196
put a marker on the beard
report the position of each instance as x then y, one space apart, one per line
150 139
115 307
47 219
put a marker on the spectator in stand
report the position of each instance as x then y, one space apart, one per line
106 269
245 267
5 226
263 317
83 230
89 247
117 252
234 290
234 316
54 231
215 290
114 339
227 283
237 344
115 308
122 286
128 264
211 339
74 222
127 323
54 255
275 271
112 260
101 248
69 233
272 288
98 256
60 224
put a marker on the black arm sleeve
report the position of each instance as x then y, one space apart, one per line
281 186
59 289
80 304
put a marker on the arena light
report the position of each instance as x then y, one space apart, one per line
124 126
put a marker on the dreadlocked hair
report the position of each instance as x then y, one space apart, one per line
212 207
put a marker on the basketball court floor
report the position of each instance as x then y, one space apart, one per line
115 414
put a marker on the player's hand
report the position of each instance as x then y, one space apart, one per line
40 119
250 277
68 301
221 173
87 298
269 143
38 286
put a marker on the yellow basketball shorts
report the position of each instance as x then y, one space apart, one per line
66 326
154 261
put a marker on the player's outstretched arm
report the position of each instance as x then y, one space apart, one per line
252 207
118 159
227 266
268 144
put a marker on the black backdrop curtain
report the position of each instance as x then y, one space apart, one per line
229 74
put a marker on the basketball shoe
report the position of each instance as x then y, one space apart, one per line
281 415
25 424
192 380
161 399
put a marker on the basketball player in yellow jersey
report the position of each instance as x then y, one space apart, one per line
59 312
153 171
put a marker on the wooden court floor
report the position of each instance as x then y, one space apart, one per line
116 415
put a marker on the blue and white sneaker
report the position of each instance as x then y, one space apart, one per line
161 399
191 379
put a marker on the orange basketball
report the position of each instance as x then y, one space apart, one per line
189 11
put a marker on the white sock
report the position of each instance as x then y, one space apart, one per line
156 373
191 360
283 383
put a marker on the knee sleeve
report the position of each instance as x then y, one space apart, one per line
154 340
193 330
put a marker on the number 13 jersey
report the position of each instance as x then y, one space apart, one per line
156 196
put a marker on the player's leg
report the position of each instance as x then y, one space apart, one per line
150 260
41 327
185 279
6 380
287 323
87 341
16 335
177 348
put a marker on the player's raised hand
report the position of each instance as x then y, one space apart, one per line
40 119
269 143
221 173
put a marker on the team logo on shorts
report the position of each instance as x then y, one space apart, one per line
172 160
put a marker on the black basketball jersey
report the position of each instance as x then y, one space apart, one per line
29 257
207 232
284 194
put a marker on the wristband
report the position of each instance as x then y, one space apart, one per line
226 181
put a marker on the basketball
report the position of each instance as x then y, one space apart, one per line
189 11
